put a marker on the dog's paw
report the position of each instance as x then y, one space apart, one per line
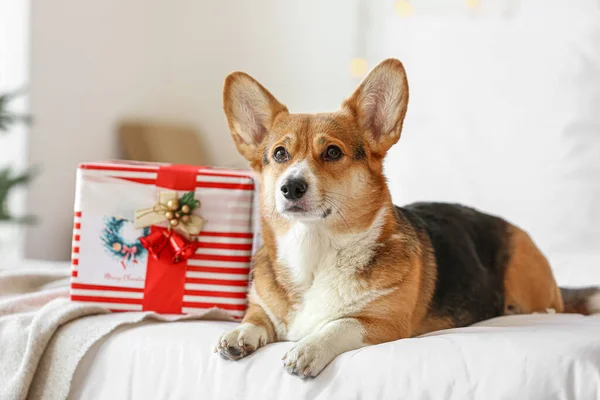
308 358
241 341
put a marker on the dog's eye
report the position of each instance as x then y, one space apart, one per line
280 155
332 153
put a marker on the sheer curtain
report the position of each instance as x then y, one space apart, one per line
503 112
14 54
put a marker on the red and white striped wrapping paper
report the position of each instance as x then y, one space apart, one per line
216 276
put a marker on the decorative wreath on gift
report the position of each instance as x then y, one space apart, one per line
117 246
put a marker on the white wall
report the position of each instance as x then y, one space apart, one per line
95 62
14 45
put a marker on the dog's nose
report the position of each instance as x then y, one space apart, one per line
294 188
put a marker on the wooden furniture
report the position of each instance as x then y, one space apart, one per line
160 142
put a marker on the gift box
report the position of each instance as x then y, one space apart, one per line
173 239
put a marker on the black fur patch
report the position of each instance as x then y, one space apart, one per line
471 252
359 153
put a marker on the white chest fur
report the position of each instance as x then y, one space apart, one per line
323 267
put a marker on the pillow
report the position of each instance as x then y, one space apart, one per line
504 115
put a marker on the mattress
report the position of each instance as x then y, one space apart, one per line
538 356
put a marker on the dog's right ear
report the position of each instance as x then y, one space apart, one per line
250 111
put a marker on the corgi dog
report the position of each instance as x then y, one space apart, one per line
341 267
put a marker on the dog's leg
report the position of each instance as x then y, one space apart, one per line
256 330
314 352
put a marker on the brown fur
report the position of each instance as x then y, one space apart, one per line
272 284
577 301
404 262
528 281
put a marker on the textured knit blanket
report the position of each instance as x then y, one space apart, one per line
43 336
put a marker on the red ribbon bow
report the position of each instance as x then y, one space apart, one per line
181 248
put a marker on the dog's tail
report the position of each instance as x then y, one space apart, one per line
584 301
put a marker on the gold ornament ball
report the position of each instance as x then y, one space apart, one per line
185 209
185 218
173 204
116 246
174 222
358 67
404 8
177 215
169 215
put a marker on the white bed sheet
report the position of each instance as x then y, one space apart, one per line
541 356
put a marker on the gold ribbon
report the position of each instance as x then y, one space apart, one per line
156 214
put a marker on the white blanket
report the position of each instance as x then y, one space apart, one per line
43 336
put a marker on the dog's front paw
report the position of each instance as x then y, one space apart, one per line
308 358
241 341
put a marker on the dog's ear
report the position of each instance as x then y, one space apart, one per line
379 105
250 111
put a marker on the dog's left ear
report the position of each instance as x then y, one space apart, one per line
379 105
